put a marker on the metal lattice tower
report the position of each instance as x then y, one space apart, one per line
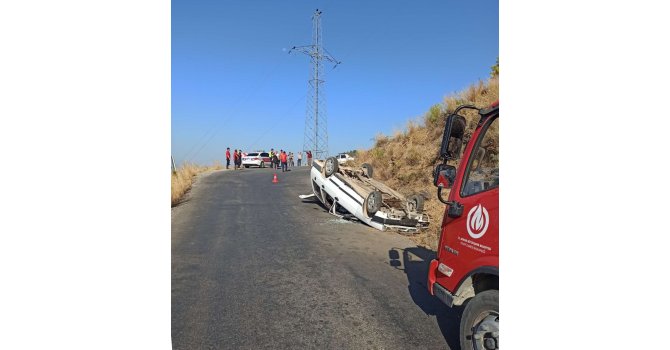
316 123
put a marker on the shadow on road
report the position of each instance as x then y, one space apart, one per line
182 200
415 264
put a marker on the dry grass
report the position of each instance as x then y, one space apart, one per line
405 161
183 179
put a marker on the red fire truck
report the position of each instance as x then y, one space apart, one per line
466 269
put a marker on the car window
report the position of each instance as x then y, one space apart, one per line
252 154
265 154
482 173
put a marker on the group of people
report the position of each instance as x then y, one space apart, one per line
283 159
237 158
278 159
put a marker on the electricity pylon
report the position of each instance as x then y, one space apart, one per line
316 122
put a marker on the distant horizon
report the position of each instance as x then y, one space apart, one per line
235 85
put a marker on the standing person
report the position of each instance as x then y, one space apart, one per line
235 159
290 159
275 161
309 158
299 157
272 159
283 161
227 157
240 161
239 158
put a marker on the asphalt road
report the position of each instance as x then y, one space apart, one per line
255 267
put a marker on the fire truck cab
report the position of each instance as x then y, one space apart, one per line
466 269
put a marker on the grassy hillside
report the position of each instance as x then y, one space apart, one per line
405 160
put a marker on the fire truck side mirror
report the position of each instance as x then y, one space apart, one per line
452 138
444 175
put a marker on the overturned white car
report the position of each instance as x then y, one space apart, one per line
370 201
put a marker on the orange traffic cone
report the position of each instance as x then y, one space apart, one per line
274 179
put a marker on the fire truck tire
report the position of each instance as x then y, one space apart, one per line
330 166
479 323
373 202
414 203
367 170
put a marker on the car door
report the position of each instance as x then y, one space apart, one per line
265 157
473 234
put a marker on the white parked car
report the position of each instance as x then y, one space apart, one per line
343 158
259 159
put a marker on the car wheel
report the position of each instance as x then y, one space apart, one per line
246 166
479 323
373 202
367 170
331 166
414 203
262 165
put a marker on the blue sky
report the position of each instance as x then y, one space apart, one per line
235 85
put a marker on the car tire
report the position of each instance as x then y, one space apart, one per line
480 320
262 165
367 170
414 203
330 167
373 203
246 166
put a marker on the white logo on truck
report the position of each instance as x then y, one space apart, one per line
478 221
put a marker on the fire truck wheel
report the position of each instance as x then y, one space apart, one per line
479 323
373 202
331 166
414 203
367 170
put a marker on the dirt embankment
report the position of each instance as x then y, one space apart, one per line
405 160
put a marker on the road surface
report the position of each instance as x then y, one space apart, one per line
255 267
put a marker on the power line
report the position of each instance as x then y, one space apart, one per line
273 126
217 126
